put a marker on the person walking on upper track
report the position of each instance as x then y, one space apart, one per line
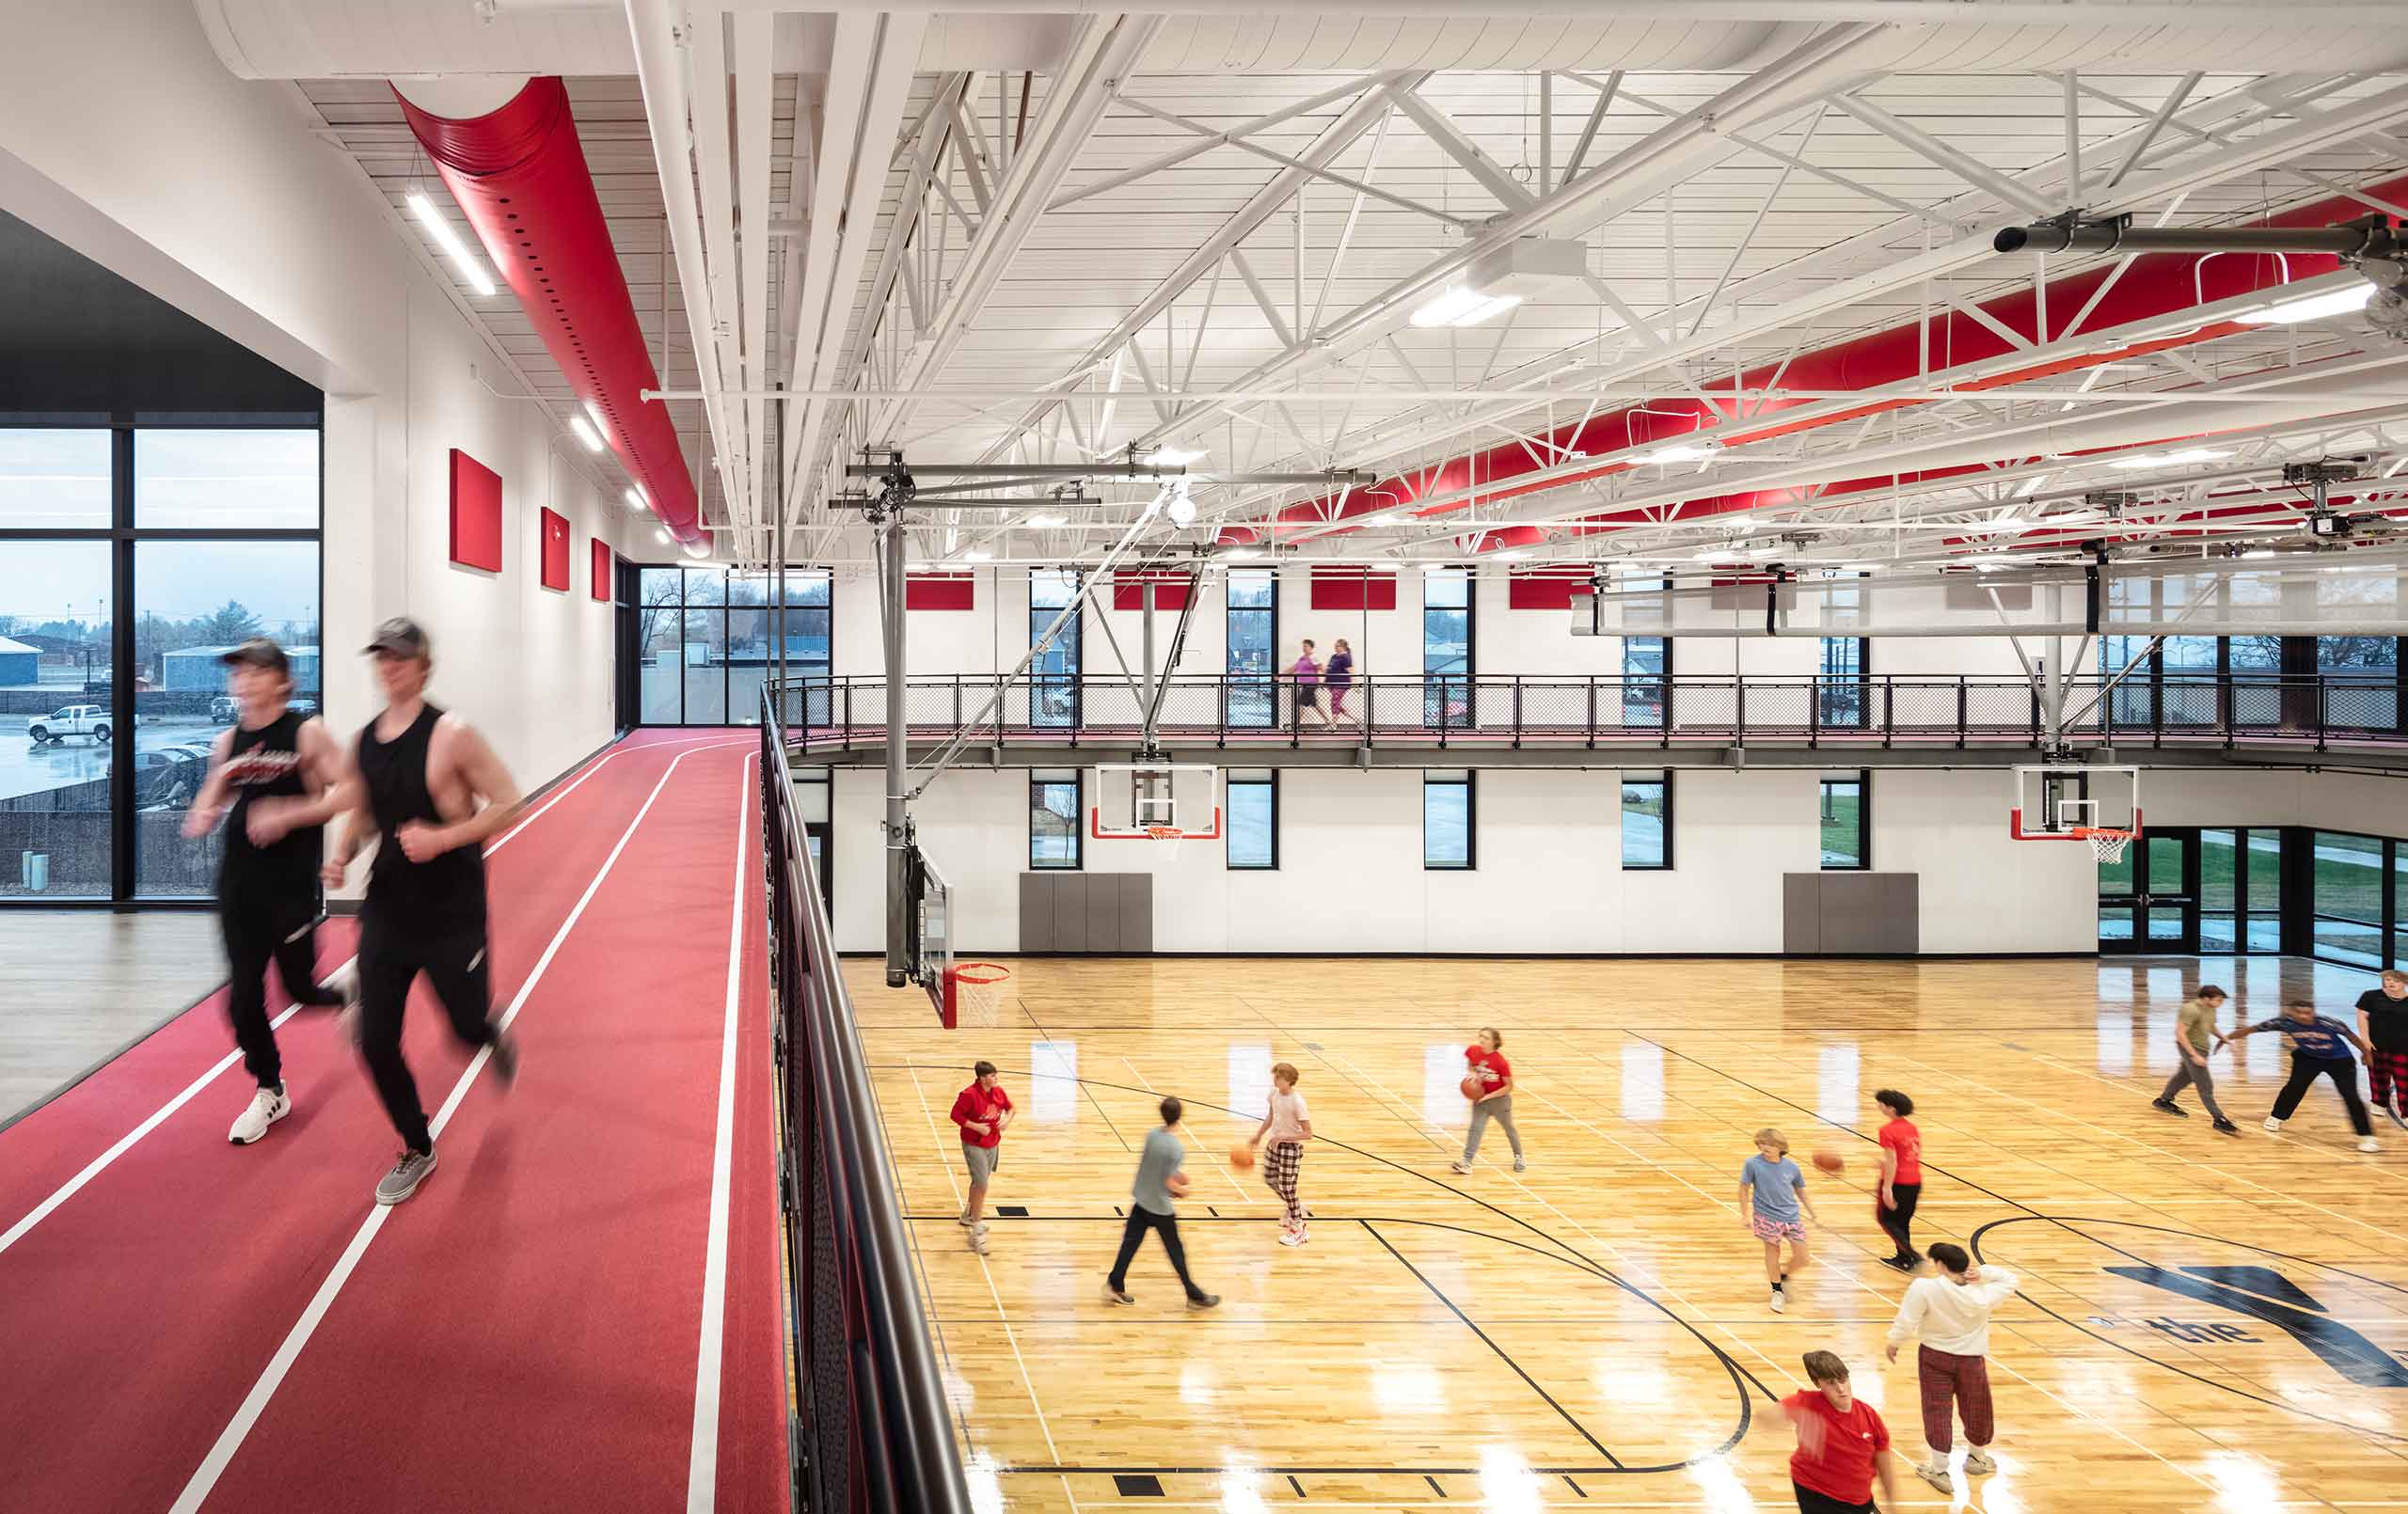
1495 1101
1951 1311
426 784
1773 1190
280 767
2195 1037
1150 1207
1901 1190
1339 676
983 1111
1306 673
2382 1023
2319 1049
1288 1126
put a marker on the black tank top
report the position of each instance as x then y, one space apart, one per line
446 892
266 763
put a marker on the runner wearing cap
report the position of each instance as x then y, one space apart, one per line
279 769
432 790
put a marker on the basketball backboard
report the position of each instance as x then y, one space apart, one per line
2070 802
1156 801
932 923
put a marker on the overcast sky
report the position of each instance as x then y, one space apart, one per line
276 581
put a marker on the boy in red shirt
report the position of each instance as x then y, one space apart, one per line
982 1111
1486 1062
1901 1175
1842 1445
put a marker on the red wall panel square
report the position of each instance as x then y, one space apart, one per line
940 591
555 570
1129 590
1545 589
602 561
476 513
1352 588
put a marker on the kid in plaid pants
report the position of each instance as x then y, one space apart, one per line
1289 1128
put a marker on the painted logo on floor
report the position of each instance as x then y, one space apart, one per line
2262 1293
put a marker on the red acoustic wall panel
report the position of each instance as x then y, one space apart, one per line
601 560
1128 590
1352 589
1545 589
476 513
555 570
940 591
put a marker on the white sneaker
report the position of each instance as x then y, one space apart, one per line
268 1106
2368 1144
1935 1474
1520 1166
2273 1125
1460 1166
1780 1302
1291 1236
1978 1464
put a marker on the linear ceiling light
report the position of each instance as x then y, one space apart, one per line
1496 283
1043 523
2161 460
449 240
1681 452
2312 306
636 501
1464 307
1171 457
583 431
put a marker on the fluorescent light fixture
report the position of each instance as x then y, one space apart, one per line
1679 452
1043 522
2030 486
1242 554
660 534
635 501
1431 568
1463 305
2161 460
453 248
1511 557
1712 553
583 431
2312 306
1989 565
1172 457
698 549
977 554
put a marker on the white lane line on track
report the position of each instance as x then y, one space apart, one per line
99 1164
213 1466
702 1468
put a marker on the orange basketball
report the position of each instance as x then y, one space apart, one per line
1830 1160
1241 1155
1473 1087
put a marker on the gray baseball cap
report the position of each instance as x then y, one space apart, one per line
259 652
400 635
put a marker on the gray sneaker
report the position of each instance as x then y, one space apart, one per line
407 1175
1937 1475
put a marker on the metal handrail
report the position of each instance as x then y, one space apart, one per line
872 1430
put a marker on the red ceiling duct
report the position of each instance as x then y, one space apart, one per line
519 175
2156 285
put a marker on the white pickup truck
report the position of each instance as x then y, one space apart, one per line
91 721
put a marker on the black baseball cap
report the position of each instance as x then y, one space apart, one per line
400 635
259 652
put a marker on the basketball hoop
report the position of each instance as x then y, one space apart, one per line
976 986
1171 836
2107 844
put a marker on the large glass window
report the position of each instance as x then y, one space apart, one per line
55 480
1841 694
706 643
2361 677
2348 893
1646 677
1253 646
225 479
1053 676
1446 647
1846 821
1646 821
56 748
1053 833
1252 796
1447 820
2256 664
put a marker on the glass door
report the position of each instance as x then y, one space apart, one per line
2148 901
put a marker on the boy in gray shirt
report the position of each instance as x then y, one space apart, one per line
1158 1181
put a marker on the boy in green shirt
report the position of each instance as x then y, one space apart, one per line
2193 1034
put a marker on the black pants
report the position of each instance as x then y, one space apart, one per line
1896 1221
1811 1502
457 968
2344 1073
1140 1221
261 926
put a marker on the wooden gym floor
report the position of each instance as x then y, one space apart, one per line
2204 1323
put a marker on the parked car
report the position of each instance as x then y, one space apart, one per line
170 777
91 721
223 709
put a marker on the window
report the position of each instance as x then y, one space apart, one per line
1053 676
1446 647
225 479
2256 664
1647 660
704 641
1846 820
813 791
1646 821
2348 898
56 810
2361 677
1447 820
1054 815
54 480
1253 611
1252 796
1841 694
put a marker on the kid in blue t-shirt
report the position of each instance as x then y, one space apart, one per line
1773 1190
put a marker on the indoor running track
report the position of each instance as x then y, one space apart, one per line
189 1325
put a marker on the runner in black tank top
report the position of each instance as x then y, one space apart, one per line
278 774
425 908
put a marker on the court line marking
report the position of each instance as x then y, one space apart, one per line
702 1467
1201 1149
100 1164
213 1466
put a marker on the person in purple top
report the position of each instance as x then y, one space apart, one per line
1339 676
2319 1049
1306 673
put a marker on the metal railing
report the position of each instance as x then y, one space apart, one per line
870 1430
1567 710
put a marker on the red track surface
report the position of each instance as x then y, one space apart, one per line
520 1335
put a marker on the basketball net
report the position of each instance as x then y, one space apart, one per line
975 991
1171 836
2107 844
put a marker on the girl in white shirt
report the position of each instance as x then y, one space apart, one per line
1289 1128
1951 1315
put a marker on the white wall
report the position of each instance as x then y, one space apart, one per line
128 140
1548 880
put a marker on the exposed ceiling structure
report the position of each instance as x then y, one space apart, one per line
1690 286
